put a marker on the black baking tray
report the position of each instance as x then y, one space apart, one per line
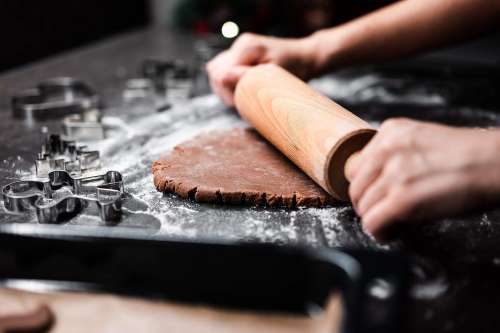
260 277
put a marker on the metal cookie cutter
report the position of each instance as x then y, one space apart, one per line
54 98
85 126
63 154
63 196
172 78
156 71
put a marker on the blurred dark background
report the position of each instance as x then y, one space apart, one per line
275 17
31 30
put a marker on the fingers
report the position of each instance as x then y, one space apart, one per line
385 168
224 85
438 195
223 76
368 170
216 72
388 198
19 312
368 167
382 213
225 70
225 88
376 192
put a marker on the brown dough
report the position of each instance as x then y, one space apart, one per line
236 167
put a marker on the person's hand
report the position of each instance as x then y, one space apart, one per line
415 170
225 70
19 312
101 313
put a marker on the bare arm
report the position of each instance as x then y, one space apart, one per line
397 30
401 29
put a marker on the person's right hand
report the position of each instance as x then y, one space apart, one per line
225 70
414 170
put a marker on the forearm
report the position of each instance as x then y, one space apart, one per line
401 29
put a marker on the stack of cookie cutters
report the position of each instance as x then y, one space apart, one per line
63 97
68 180
63 196
68 177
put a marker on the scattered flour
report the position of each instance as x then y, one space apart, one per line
134 143
375 88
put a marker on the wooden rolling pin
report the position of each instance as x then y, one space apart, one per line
318 135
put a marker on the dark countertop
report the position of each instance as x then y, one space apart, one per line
458 259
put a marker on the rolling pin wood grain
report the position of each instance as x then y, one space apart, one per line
314 132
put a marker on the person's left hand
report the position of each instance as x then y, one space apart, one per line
414 170
297 55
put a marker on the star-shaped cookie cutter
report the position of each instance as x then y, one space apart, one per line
64 196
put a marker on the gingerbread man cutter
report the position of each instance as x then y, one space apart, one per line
64 196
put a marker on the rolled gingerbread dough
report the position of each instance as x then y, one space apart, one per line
236 167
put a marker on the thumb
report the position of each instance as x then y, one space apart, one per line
233 76
28 317
352 165
250 55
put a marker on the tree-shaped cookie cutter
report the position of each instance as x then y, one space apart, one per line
59 153
64 196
